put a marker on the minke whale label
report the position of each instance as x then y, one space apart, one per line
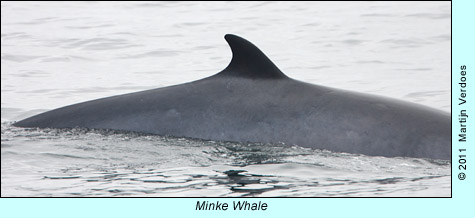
252 100
236 205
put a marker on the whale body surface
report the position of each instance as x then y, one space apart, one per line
251 100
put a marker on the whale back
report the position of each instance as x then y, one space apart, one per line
251 100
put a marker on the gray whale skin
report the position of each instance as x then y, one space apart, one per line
251 100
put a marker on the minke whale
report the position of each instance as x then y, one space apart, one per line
251 100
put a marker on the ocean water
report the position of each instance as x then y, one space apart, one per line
59 53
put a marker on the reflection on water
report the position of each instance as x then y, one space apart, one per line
81 162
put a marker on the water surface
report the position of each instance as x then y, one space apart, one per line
59 53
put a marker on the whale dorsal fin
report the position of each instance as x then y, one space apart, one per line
249 61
